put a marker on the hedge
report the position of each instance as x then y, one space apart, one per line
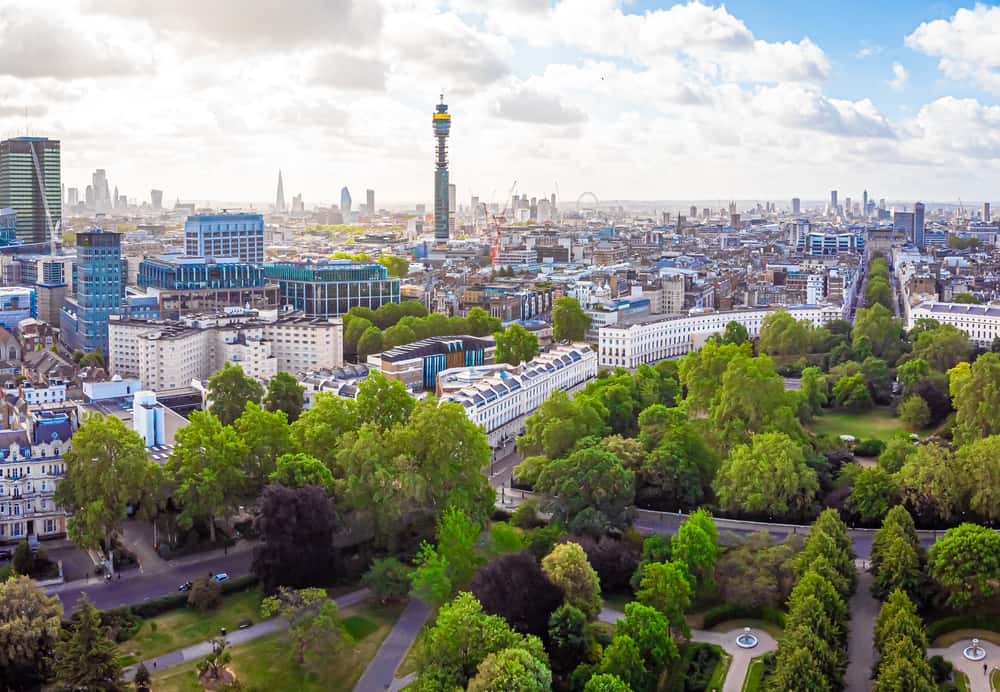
729 611
971 621
174 601
702 667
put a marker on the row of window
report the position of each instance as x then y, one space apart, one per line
17 529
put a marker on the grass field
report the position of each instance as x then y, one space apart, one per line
267 664
961 680
183 627
755 676
879 423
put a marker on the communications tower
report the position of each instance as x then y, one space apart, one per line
442 128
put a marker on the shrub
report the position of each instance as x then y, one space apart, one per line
24 559
869 448
980 621
205 594
154 607
614 561
729 611
389 579
941 669
526 516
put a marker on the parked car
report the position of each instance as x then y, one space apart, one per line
221 577
6 553
245 624
186 586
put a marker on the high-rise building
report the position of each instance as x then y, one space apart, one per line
156 197
8 227
796 206
986 212
279 199
833 201
228 235
31 185
331 288
89 196
72 196
370 201
864 203
102 196
452 204
918 225
345 200
99 290
442 128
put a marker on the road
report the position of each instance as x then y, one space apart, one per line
135 587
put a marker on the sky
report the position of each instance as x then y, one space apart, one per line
627 99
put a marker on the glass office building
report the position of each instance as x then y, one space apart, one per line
221 236
31 185
99 292
183 273
8 228
329 289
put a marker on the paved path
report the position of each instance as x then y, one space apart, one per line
727 640
201 649
861 634
978 682
381 672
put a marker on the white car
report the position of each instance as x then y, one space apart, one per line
221 577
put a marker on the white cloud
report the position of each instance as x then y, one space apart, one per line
345 70
527 104
868 51
899 77
801 107
967 45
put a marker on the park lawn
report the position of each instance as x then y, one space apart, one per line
880 423
755 676
185 626
995 679
961 680
266 663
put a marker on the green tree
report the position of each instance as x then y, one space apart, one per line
314 626
559 423
567 567
666 586
383 402
895 454
389 579
701 372
369 342
229 390
511 669
783 335
85 658
877 324
266 436
975 392
605 682
457 540
851 393
943 347
570 640
430 575
678 473
911 372
317 431
899 633
397 335
914 412
284 393
931 484
354 329
796 667
106 468
205 595
751 400
205 466
896 556
813 389
30 623
212 665
569 321
515 345
980 462
769 476
878 292
873 492
23 561
623 660
966 563
479 322
591 491
650 630
696 544
297 470
397 266
735 333
460 639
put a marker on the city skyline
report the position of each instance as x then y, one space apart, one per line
635 100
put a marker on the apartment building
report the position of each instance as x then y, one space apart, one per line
981 323
651 341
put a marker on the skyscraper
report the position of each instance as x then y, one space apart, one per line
796 206
442 128
370 201
833 201
864 203
279 200
31 185
156 197
986 212
99 289
918 225
345 200
72 196
225 236
102 196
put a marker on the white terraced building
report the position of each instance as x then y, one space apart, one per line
650 341
981 323
501 401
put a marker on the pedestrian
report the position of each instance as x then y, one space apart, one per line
154 664
119 576
985 669
225 550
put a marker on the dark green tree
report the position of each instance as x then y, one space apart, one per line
515 345
284 393
86 658
569 321
229 390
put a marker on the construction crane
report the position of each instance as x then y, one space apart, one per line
496 243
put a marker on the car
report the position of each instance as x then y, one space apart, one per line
186 586
6 553
220 577
245 624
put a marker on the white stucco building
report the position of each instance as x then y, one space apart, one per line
981 323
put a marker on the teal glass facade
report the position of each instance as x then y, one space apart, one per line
99 292
178 273
330 289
